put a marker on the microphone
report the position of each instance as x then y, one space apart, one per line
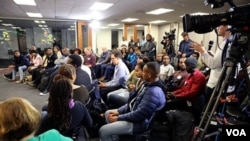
210 45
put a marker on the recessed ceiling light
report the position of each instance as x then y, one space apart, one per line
39 15
113 24
159 11
42 25
5 24
130 20
103 27
157 21
139 25
37 21
43 22
100 6
25 2
16 27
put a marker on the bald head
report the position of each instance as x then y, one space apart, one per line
104 49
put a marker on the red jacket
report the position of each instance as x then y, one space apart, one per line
192 87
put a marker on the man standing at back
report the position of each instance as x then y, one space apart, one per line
148 49
184 48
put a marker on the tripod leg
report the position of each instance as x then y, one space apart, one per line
219 89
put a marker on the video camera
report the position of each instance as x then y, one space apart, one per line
170 35
237 17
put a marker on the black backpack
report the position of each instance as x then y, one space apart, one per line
44 82
96 107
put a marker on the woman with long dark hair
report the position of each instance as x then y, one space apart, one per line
64 114
80 92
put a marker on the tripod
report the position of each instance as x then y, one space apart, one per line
235 56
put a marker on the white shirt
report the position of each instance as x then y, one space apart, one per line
87 69
165 71
214 63
124 43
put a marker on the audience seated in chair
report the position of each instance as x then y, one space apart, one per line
120 97
183 101
166 69
80 92
58 62
82 77
64 113
103 60
178 78
131 59
47 67
133 117
121 71
35 60
21 120
21 63
194 84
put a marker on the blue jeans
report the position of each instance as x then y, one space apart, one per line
111 131
21 69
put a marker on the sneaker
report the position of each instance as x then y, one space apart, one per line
5 77
43 93
31 84
19 82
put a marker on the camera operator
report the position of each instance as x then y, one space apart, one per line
184 48
214 62
164 42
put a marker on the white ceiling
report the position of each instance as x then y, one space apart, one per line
76 9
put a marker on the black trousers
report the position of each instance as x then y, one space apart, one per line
105 90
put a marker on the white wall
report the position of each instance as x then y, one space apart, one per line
120 35
103 39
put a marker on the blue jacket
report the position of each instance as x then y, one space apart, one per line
185 47
132 58
142 104
21 61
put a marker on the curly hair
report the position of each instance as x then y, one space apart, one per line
58 106
66 71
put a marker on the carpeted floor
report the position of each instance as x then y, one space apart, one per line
11 89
